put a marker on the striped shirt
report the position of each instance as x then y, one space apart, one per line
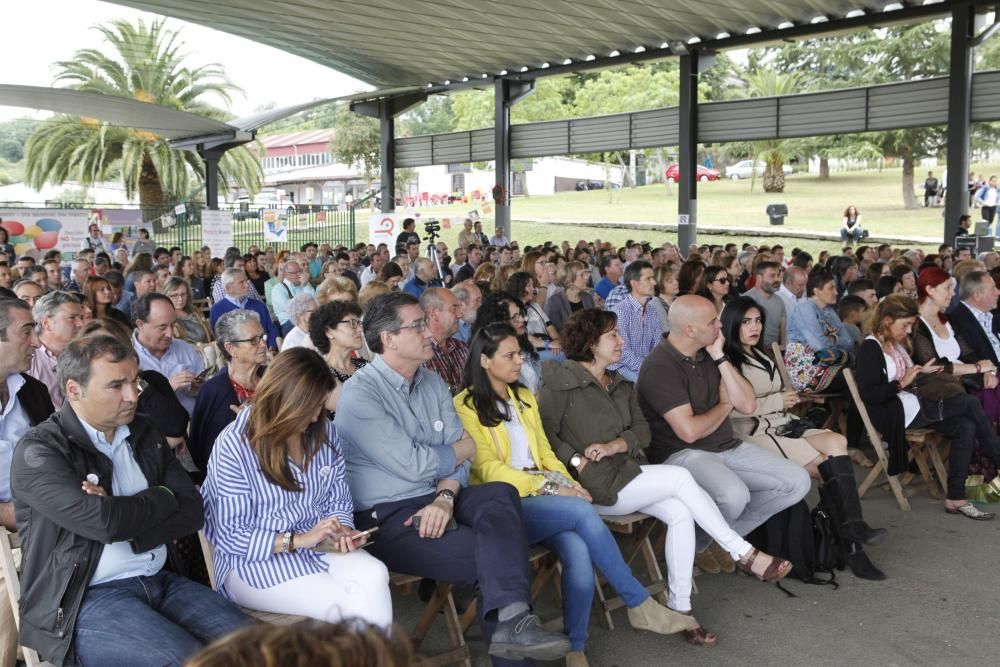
640 327
244 512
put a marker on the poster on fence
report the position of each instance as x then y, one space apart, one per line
274 226
35 231
125 220
217 231
383 228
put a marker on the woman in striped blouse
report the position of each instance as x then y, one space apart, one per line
278 509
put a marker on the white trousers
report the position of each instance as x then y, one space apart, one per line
355 586
670 494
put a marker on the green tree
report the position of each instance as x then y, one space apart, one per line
357 142
774 153
434 116
13 135
145 64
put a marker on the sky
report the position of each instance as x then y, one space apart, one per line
51 30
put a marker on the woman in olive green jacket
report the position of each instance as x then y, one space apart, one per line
592 419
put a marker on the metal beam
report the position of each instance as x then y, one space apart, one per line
687 161
963 32
505 95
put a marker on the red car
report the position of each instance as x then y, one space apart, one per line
704 173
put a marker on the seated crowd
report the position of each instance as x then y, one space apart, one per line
332 415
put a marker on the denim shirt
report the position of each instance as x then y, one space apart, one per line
397 435
808 324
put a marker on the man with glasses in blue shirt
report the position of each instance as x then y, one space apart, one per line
408 461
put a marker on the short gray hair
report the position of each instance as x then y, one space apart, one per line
461 292
77 358
299 305
47 305
227 328
230 275
433 297
971 283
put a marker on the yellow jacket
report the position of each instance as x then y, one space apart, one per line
493 456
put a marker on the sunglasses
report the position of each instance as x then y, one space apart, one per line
723 280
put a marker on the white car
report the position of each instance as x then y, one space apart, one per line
744 169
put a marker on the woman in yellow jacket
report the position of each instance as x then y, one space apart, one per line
503 419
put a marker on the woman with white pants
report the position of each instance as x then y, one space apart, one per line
278 509
594 424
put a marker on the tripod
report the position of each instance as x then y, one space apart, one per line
433 256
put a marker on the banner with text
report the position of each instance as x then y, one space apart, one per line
35 231
217 231
383 228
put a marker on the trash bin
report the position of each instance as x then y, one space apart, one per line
777 213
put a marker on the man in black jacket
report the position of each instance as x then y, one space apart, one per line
972 317
99 500
24 402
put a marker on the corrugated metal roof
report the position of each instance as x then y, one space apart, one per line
389 43
296 138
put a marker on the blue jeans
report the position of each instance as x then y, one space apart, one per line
854 235
576 533
158 620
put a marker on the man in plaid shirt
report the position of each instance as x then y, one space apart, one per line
638 325
442 310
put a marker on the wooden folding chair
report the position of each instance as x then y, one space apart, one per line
13 583
637 528
208 551
922 443
441 601
836 402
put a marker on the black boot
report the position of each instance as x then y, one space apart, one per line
838 478
839 496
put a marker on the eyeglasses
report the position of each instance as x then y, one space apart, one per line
418 326
253 340
723 280
354 323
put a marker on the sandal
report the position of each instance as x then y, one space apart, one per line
776 571
700 637
971 511
858 457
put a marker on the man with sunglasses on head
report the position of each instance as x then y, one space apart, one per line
408 461
765 293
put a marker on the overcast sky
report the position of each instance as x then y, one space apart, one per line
40 32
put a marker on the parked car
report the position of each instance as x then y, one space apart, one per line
744 169
704 173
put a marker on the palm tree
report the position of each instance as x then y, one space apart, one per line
146 65
773 152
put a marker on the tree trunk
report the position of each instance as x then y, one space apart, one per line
774 178
661 158
626 172
824 168
909 198
151 198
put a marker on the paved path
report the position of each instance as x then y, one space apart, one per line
940 606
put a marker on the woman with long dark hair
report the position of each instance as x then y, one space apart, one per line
100 297
714 285
543 335
821 452
500 307
502 417
278 509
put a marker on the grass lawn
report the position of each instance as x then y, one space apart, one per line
813 205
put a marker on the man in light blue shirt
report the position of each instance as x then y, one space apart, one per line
408 458
159 351
296 282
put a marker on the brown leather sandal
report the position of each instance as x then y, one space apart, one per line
700 637
776 571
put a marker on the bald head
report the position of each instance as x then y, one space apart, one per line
795 280
689 309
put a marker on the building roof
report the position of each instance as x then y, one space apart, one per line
394 43
303 138
326 172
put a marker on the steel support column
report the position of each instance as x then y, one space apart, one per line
385 111
963 29
506 94
211 157
687 162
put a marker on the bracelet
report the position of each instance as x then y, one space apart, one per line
721 360
286 540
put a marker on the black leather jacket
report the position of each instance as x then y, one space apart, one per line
63 530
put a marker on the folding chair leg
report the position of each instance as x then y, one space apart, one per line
939 468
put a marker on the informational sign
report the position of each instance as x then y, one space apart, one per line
35 231
217 231
683 218
383 228
274 226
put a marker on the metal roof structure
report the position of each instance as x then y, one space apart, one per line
445 43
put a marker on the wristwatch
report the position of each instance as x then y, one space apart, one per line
447 493
575 461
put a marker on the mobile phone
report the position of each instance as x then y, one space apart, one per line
201 376
365 533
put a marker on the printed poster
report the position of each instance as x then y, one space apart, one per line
35 231
217 231
383 228
274 226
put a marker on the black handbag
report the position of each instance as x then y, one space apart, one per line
937 386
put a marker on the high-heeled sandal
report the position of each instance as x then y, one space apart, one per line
776 571
699 636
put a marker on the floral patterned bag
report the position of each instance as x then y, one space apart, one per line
805 372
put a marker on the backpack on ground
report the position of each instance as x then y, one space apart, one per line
792 535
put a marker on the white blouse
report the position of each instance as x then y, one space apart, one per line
946 348
911 404
520 449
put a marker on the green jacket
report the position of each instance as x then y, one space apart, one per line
578 412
